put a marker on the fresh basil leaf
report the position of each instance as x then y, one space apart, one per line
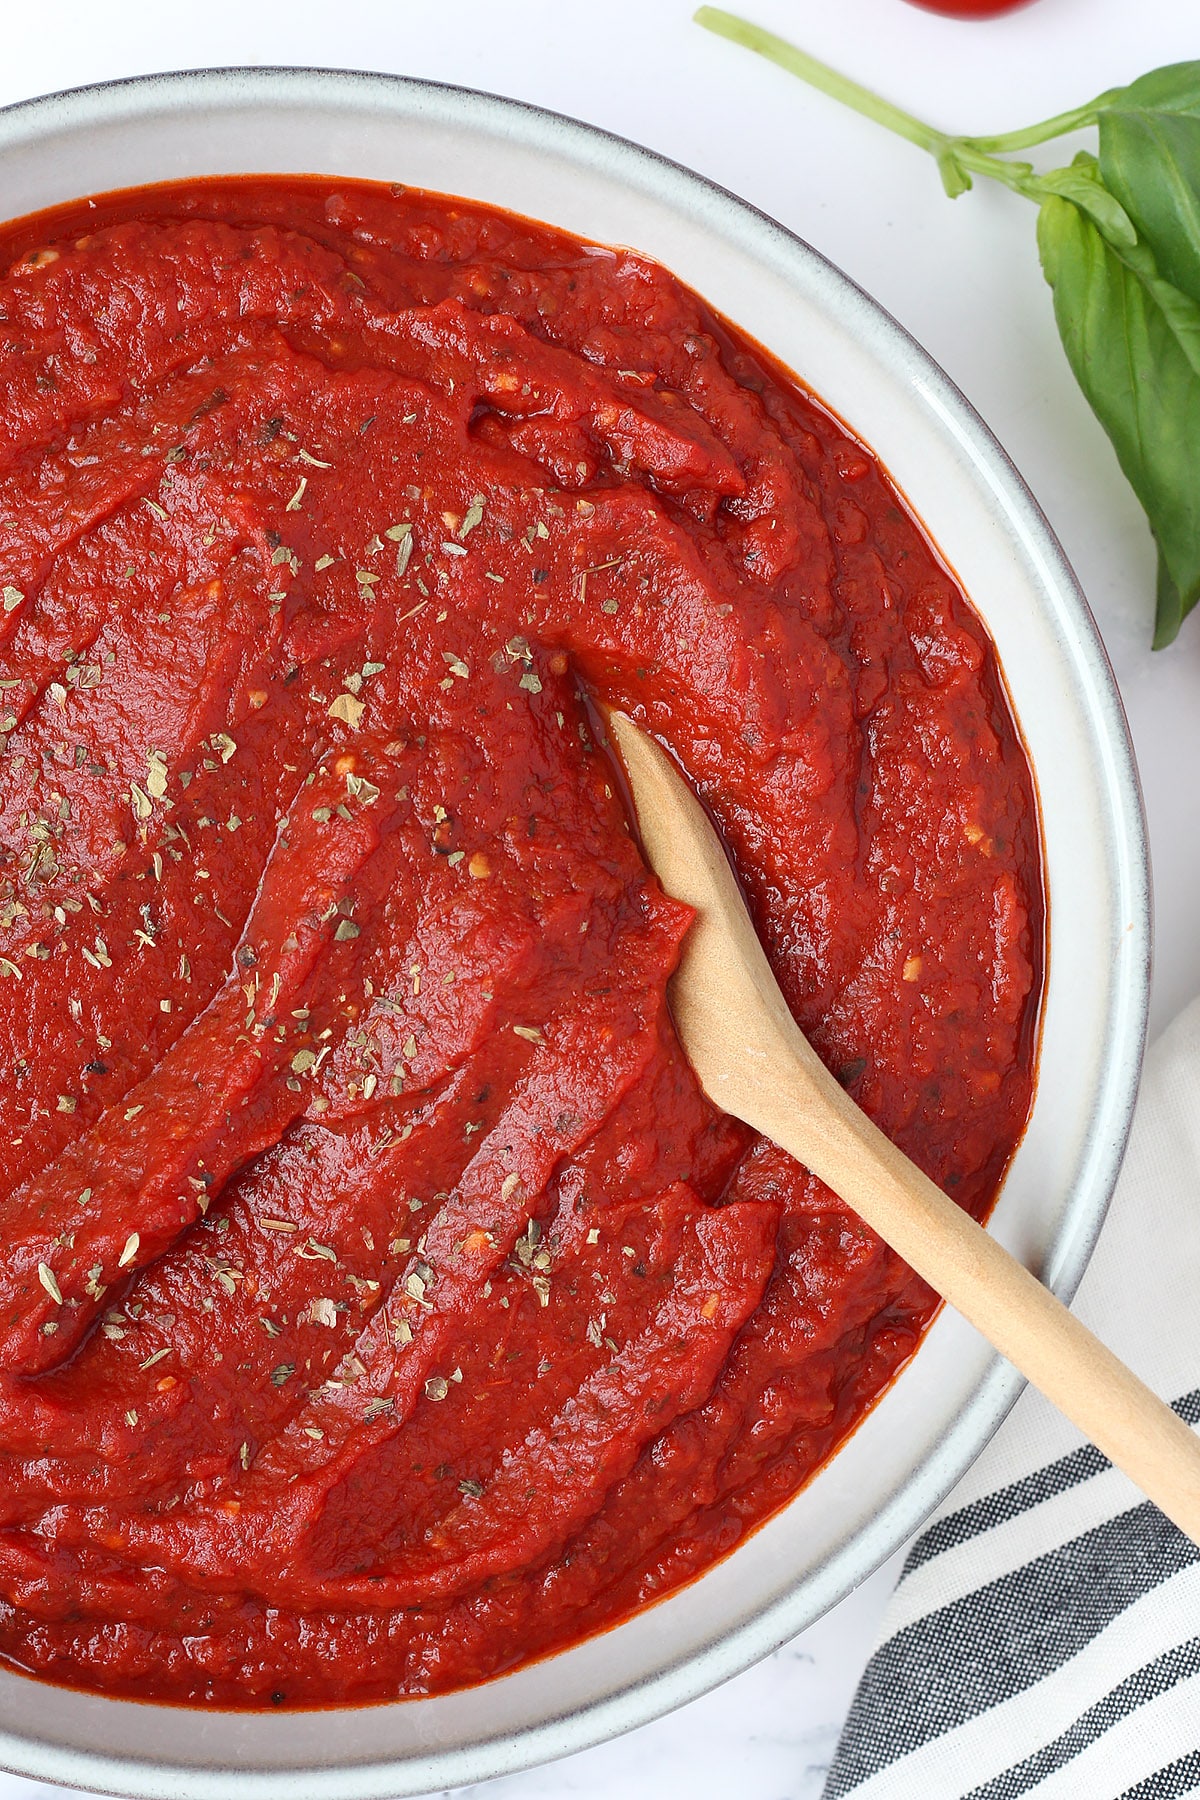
1082 184
1151 162
1133 341
1169 609
1174 88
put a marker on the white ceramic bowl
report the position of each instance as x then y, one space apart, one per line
938 1415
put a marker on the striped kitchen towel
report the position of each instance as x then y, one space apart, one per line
1044 1637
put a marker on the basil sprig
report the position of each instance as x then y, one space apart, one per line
1119 238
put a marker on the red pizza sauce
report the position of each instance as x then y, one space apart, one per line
382 1304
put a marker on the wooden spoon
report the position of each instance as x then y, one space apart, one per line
753 1060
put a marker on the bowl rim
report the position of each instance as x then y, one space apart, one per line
1126 851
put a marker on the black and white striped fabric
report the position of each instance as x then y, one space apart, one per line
1044 1638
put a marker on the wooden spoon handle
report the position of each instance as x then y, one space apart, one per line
996 1293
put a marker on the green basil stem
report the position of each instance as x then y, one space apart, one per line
820 75
1077 119
957 157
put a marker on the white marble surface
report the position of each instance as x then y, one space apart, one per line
962 277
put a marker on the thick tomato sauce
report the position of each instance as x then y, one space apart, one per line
382 1304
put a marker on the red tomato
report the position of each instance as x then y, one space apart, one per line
970 9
